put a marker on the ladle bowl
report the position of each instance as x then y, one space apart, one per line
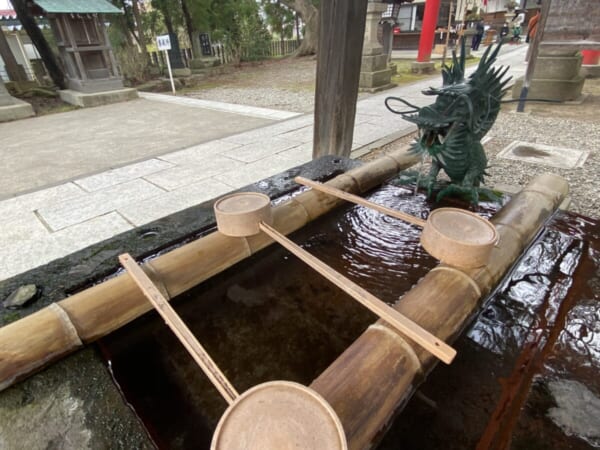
459 238
240 214
279 415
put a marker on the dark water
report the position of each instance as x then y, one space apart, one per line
271 317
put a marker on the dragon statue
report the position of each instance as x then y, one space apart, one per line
451 129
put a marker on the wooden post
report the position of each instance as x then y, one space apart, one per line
447 33
342 25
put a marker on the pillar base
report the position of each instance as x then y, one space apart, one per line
559 90
18 110
377 88
589 71
422 67
557 67
183 72
375 80
204 63
99 98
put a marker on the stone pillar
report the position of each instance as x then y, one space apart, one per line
203 58
556 76
374 72
563 30
467 35
12 108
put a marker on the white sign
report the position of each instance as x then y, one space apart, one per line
163 42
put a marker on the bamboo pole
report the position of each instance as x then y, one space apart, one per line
39 339
443 303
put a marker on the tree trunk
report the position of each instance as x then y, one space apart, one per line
128 25
310 16
38 39
189 23
168 20
140 29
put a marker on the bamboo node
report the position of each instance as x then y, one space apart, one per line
303 208
461 274
65 321
409 351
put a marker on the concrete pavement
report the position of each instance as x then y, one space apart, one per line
49 223
43 151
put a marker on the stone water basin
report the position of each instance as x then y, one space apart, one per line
527 364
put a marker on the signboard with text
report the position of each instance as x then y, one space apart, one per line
163 42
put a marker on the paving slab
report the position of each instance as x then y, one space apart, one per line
245 110
146 211
98 203
44 151
548 155
189 173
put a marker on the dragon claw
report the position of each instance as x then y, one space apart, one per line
471 193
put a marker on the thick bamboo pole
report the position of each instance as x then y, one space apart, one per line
443 303
37 340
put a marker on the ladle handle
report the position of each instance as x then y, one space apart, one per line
360 201
403 324
183 333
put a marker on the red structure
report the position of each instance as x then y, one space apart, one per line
430 16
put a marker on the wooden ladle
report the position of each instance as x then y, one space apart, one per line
456 237
277 415
249 213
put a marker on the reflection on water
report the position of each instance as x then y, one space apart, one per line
506 322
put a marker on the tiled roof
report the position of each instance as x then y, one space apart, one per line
77 6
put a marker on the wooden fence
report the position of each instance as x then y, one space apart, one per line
225 55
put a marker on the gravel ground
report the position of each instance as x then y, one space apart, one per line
574 133
287 84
